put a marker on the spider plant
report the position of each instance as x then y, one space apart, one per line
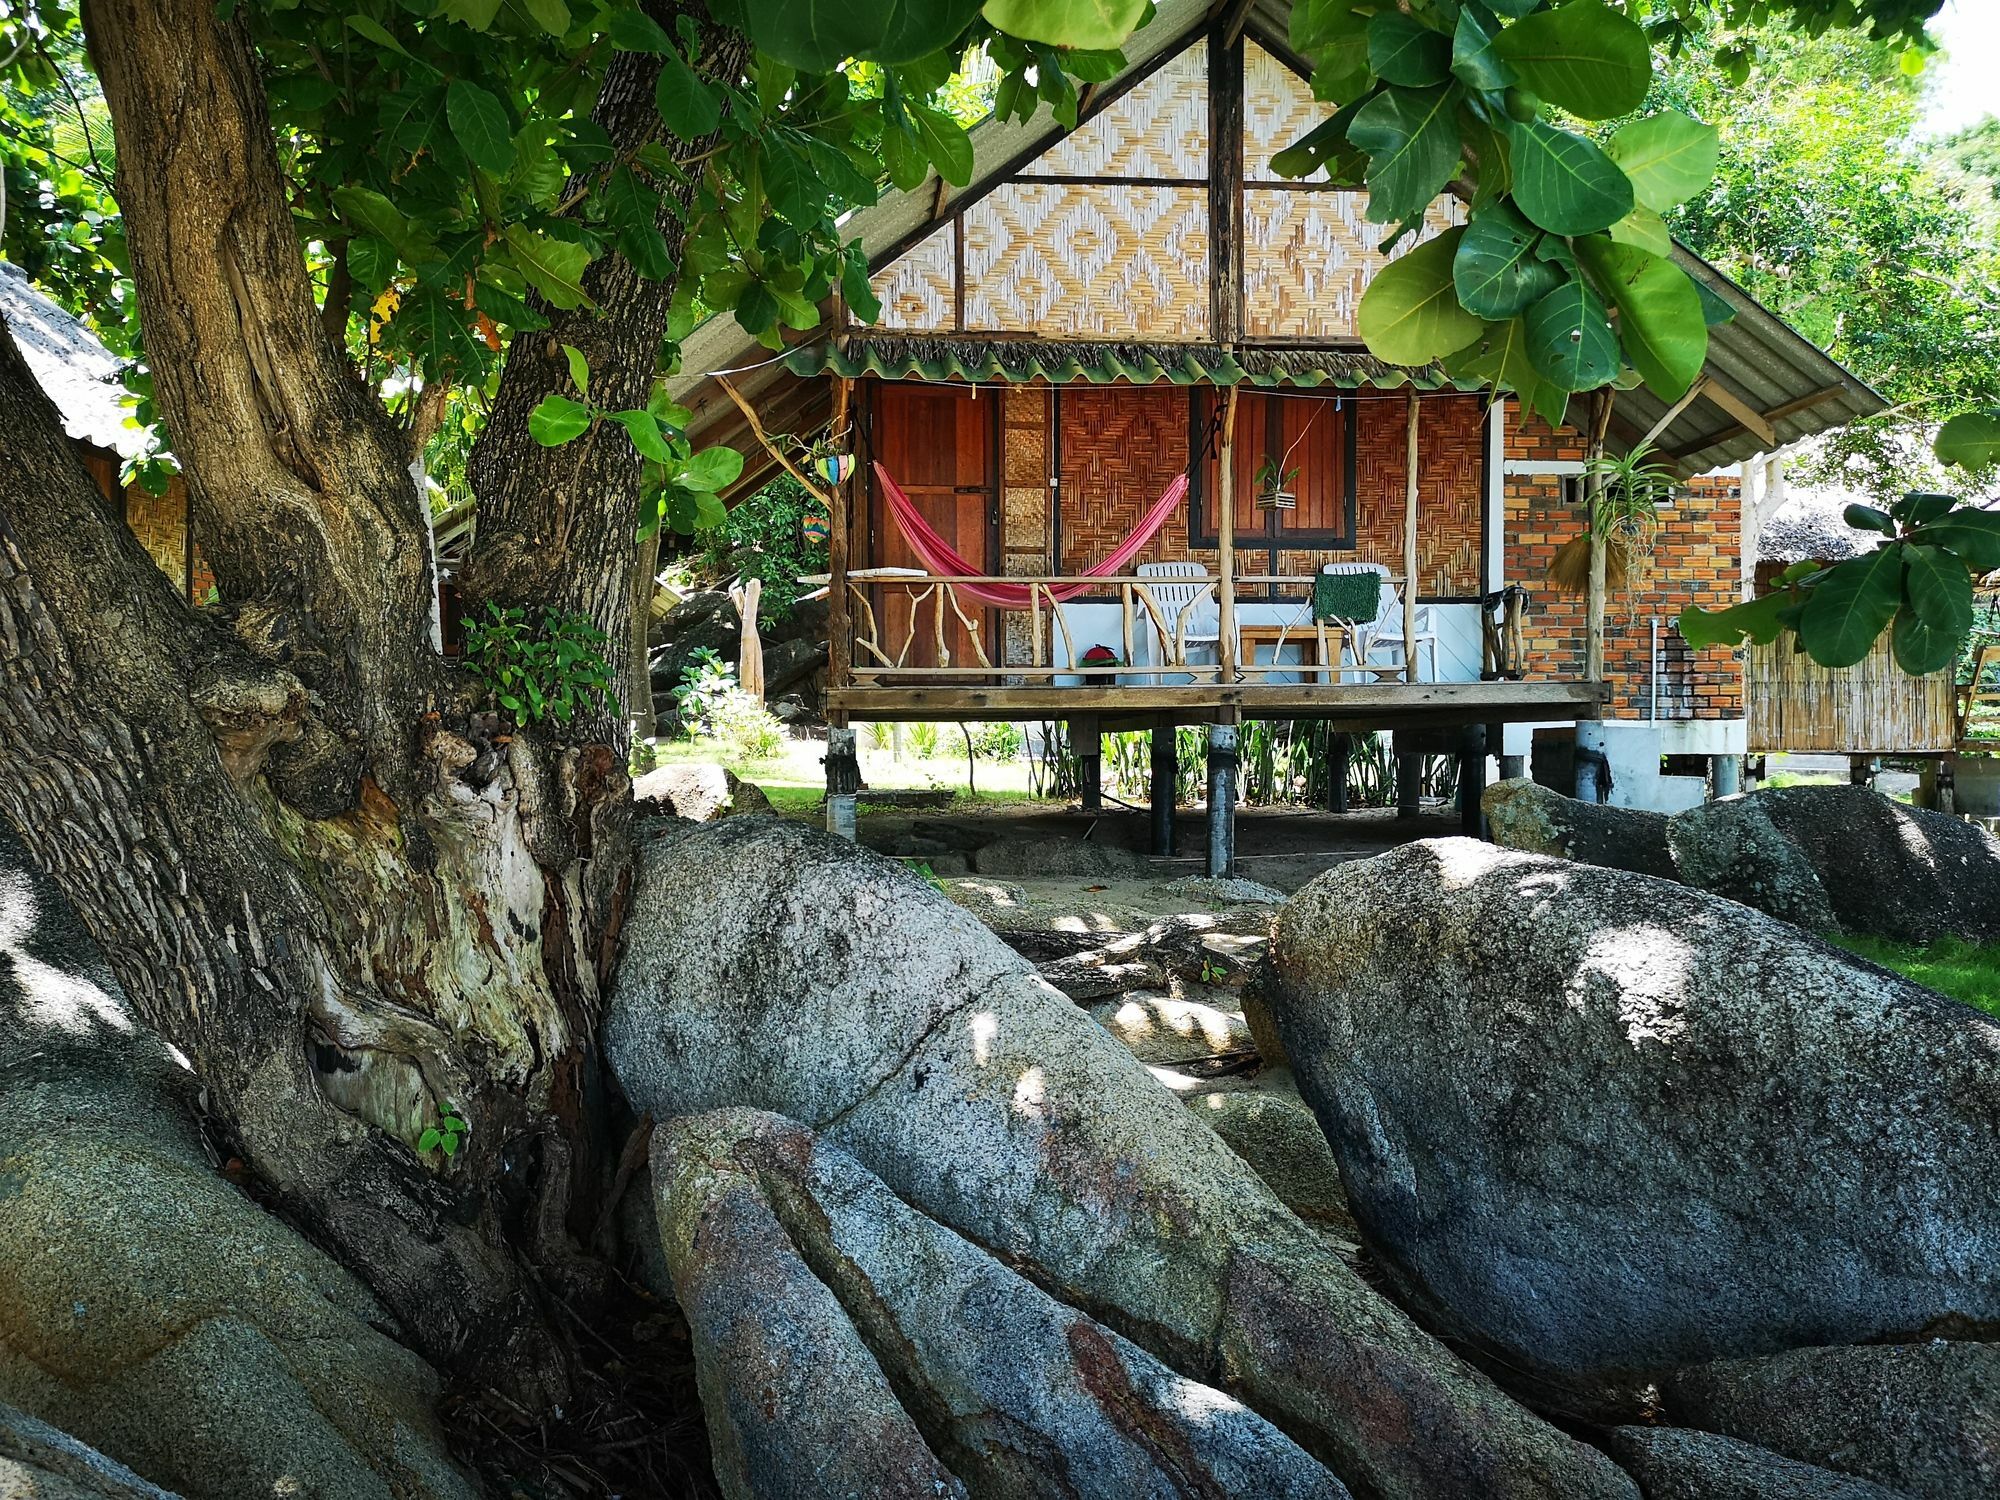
1623 494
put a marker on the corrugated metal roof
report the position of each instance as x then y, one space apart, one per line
79 374
1757 357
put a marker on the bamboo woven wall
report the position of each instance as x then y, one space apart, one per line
1871 708
1121 448
918 288
1157 129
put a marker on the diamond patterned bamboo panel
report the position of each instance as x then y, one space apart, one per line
1157 129
1308 257
1121 447
1451 445
1088 261
1278 108
916 287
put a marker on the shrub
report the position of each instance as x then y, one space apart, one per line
762 539
539 663
997 741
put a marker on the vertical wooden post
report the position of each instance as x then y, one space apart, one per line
1471 779
1087 743
1225 185
839 664
1166 778
1593 495
1339 760
1225 543
1410 546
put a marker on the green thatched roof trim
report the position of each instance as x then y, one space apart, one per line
1018 361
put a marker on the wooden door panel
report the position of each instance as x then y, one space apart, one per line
937 443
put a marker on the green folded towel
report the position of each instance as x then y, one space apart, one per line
1351 598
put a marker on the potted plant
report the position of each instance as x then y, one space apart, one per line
829 460
1274 487
1623 500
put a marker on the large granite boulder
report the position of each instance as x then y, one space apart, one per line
1923 1418
700 792
842 1339
1602 1125
1884 867
1732 848
1672 1463
1524 814
770 966
148 1307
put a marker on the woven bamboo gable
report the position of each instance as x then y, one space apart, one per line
1106 234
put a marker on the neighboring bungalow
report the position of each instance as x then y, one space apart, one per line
85 382
1089 363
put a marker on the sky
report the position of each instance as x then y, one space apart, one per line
1967 83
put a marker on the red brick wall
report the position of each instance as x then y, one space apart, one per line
1696 560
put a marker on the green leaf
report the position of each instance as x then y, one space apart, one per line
688 105
856 288
579 368
1759 619
1921 647
1564 183
555 266
1668 157
797 193
1868 518
647 249
1500 358
558 420
478 14
1973 534
1404 51
1970 440
712 469
1325 145
1410 314
1570 340
1066 23
1715 308
1919 509
903 155
1412 140
480 125
945 142
1659 313
818 35
428 1142
1938 589
1495 272
635 31
1583 57
1475 61
1851 606
369 210
709 512
1645 230
376 32
448 1144
551 15
645 435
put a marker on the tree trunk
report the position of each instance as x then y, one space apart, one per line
352 896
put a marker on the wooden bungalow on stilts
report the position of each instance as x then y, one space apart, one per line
1120 458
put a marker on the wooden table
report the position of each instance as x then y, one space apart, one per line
1319 646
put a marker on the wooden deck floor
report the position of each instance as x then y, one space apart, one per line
1352 705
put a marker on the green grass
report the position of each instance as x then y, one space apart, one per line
1965 971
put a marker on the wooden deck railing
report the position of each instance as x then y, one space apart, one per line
1978 719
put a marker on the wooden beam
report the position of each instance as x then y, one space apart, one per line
1694 393
1225 541
1231 17
764 441
1747 416
1225 187
1804 403
1362 703
1410 456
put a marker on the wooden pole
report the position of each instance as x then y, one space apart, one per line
1166 777
1225 543
839 663
1410 546
1600 545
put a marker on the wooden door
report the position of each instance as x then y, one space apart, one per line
937 442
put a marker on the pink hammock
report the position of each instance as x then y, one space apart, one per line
939 556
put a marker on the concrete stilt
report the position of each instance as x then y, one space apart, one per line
1089 747
1593 765
1166 776
1221 800
1725 775
1409 782
1339 761
843 781
1513 767
1471 780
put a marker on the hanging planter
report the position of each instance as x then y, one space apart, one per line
1274 487
816 529
834 468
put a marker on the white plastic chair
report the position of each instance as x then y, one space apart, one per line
1385 631
1204 625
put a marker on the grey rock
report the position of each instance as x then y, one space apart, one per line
1599 1124
771 966
1889 869
700 793
1046 858
1227 889
149 1308
1018 1393
40 1462
1923 1419
1165 1030
1523 814
791 664
1672 1463
1732 848
1275 1131
704 620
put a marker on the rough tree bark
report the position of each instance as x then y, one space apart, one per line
316 866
